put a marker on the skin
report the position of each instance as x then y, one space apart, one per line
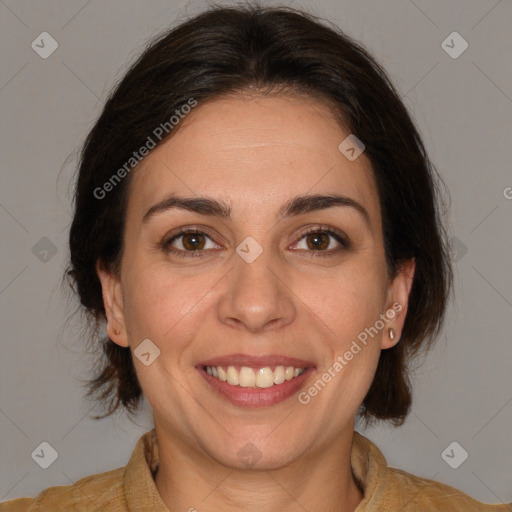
254 153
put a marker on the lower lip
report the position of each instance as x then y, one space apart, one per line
256 397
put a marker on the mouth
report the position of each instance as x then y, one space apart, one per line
255 381
247 377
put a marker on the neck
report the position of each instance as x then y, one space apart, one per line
189 480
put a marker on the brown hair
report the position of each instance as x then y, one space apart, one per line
231 50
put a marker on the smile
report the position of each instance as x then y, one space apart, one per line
247 377
255 380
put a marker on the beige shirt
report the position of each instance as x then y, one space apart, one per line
132 488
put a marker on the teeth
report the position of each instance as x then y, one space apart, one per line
233 377
222 375
279 375
250 378
246 377
264 378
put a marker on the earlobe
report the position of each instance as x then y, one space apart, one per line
113 304
398 299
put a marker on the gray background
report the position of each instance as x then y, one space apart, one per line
463 108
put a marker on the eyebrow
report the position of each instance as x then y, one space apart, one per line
217 208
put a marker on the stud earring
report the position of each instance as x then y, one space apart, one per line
392 334
116 331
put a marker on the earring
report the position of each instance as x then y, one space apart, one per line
392 334
116 331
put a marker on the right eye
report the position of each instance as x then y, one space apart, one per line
193 241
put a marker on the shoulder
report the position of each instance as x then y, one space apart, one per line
103 491
107 491
419 494
387 488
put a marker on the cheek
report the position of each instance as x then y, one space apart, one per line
160 303
345 307
347 301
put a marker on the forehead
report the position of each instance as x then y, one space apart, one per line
255 153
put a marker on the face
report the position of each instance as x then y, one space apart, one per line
275 283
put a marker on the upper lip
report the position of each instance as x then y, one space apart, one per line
256 361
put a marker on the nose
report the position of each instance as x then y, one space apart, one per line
257 297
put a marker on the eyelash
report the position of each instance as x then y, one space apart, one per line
341 239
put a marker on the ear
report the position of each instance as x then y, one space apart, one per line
113 303
397 301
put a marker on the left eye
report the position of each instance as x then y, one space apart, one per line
323 241
190 241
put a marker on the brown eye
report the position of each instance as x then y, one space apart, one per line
322 241
193 241
317 241
188 242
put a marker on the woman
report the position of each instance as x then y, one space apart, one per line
257 221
